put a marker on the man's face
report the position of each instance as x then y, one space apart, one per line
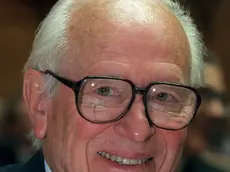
142 51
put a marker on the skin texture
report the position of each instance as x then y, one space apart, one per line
109 38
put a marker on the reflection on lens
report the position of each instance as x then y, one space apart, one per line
175 110
104 99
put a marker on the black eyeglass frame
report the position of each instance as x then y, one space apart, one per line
76 86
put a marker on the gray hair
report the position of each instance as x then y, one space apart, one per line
51 42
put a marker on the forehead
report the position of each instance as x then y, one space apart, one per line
129 28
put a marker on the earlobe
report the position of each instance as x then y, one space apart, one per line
33 86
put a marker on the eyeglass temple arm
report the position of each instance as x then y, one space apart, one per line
64 81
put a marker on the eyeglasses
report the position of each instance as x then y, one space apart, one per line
102 99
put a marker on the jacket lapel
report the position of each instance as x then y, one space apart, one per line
35 164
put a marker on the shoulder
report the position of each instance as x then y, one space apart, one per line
11 168
35 164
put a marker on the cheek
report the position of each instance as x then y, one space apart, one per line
174 139
174 143
63 129
69 134
80 136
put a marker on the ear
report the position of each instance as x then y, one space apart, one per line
33 86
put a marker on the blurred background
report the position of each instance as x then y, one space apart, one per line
208 144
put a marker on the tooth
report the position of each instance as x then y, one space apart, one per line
118 159
144 160
125 161
102 153
133 161
113 158
107 155
139 161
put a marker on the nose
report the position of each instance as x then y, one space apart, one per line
135 125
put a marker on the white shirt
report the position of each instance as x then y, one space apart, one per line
47 168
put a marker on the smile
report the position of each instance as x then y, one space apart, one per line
123 160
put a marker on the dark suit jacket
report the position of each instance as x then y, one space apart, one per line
196 164
35 164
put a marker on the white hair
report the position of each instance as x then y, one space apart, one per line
197 48
51 43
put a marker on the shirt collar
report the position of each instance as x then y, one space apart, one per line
47 168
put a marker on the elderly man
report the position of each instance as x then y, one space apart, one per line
109 86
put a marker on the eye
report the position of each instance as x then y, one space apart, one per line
105 91
164 97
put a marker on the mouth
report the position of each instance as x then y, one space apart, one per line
124 160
